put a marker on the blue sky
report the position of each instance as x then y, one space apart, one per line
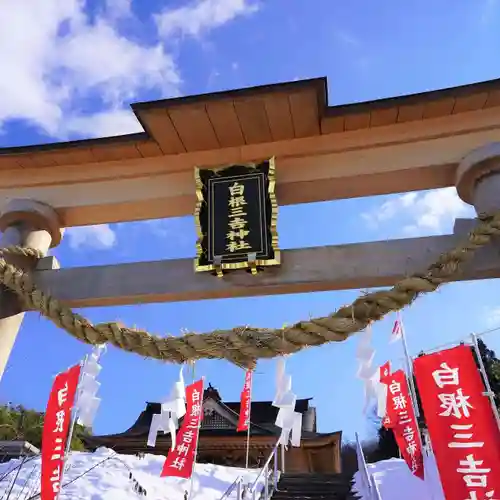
84 62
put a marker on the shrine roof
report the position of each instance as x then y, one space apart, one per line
263 416
263 412
250 116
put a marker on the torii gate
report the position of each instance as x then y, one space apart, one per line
429 140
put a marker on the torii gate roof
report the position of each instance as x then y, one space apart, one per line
254 115
323 152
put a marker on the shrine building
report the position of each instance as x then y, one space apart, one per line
221 444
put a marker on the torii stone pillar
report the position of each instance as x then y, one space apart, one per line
478 178
32 224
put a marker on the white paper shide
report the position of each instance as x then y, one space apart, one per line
288 419
87 402
173 409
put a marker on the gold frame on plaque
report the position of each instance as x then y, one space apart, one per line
273 225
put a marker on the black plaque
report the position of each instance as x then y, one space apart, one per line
236 217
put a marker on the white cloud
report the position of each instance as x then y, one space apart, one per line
53 55
99 58
118 9
201 16
493 317
57 56
347 38
102 124
178 228
100 237
427 212
160 227
487 11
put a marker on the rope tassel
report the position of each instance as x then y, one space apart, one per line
244 345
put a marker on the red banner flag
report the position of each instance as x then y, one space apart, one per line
180 460
462 428
384 372
401 418
245 404
397 331
55 431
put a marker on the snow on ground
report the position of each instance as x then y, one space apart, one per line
106 477
395 481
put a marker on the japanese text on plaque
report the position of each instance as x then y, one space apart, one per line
238 222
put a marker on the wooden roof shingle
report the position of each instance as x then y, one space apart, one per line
255 115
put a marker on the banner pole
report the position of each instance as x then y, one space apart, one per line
248 423
248 446
409 368
197 440
482 369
